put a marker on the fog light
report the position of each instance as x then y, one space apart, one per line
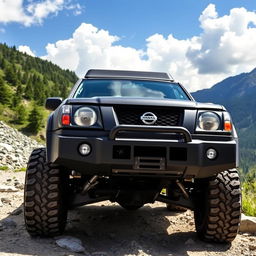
211 153
85 149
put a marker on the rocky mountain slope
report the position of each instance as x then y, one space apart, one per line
15 148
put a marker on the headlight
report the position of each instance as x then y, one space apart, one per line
209 121
85 117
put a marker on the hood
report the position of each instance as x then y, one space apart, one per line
106 101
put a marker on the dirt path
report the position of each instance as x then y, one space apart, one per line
105 229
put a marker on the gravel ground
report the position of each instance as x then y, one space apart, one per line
106 229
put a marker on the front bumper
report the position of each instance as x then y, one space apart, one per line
120 156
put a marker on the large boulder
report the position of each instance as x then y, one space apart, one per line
248 224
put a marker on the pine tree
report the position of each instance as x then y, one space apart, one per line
17 97
29 92
35 120
19 89
10 75
21 114
19 75
24 78
4 64
1 60
40 97
5 93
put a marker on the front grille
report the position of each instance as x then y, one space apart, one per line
132 115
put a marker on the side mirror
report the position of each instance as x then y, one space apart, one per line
52 103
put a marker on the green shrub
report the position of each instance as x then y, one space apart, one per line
249 198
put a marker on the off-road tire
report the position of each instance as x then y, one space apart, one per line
218 207
45 211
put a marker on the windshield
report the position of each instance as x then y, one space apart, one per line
130 88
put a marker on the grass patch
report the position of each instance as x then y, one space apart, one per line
4 168
249 198
21 170
9 116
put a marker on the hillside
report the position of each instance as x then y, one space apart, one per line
32 77
25 83
238 94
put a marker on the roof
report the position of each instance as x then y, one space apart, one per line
104 73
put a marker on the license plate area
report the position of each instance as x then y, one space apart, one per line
149 163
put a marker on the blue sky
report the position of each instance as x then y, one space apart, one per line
132 20
36 24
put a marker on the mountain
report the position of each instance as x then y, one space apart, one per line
238 95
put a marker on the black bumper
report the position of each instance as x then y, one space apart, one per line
184 157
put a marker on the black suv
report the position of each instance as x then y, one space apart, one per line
135 138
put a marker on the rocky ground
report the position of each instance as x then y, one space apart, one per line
103 229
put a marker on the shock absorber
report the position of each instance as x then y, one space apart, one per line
90 184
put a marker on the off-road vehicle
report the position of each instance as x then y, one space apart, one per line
134 138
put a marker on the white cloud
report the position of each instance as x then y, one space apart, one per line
226 44
91 47
34 12
26 49
41 10
76 8
12 11
225 47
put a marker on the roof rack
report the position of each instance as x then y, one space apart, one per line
104 73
